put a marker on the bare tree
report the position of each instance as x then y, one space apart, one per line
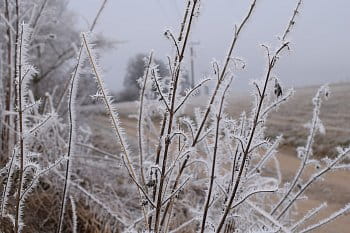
135 71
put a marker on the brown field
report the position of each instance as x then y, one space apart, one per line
289 121
291 117
335 190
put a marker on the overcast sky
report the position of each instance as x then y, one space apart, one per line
320 41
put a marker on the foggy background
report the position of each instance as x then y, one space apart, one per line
320 41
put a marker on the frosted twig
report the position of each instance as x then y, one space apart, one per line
139 185
185 224
190 93
292 21
20 103
140 128
171 116
72 134
94 199
171 36
98 15
90 147
253 193
162 97
308 148
39 174
176 191
8 183
256 120
268 216
223 72
308 216
313 178
271 151
74 215
108 103
212 174
333 216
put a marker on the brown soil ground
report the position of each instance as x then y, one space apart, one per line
289 120
335 190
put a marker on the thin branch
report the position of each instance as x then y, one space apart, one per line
72 136
223 72
190 93
140 133
292 21
313 179
306 154
138 185
176 191
111 111
172 97
308 216
256 120
20 122
98 15
162 97
269 217
171 36
325 221
212 174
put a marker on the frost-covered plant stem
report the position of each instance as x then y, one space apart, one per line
92 27
159 150
8 86
246 151
292 20
308 216
71 140
235 157
175 80
329 219
306 154
212 175
19 80
39 14
140 118
8 184
169 208
74 215
262 94
184 20
16 60
222 75
313 179
115 122
108 105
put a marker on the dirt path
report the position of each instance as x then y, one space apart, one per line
335 190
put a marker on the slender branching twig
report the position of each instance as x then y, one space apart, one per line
171 115
140 118
19 81
72 135
212 175
222 75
